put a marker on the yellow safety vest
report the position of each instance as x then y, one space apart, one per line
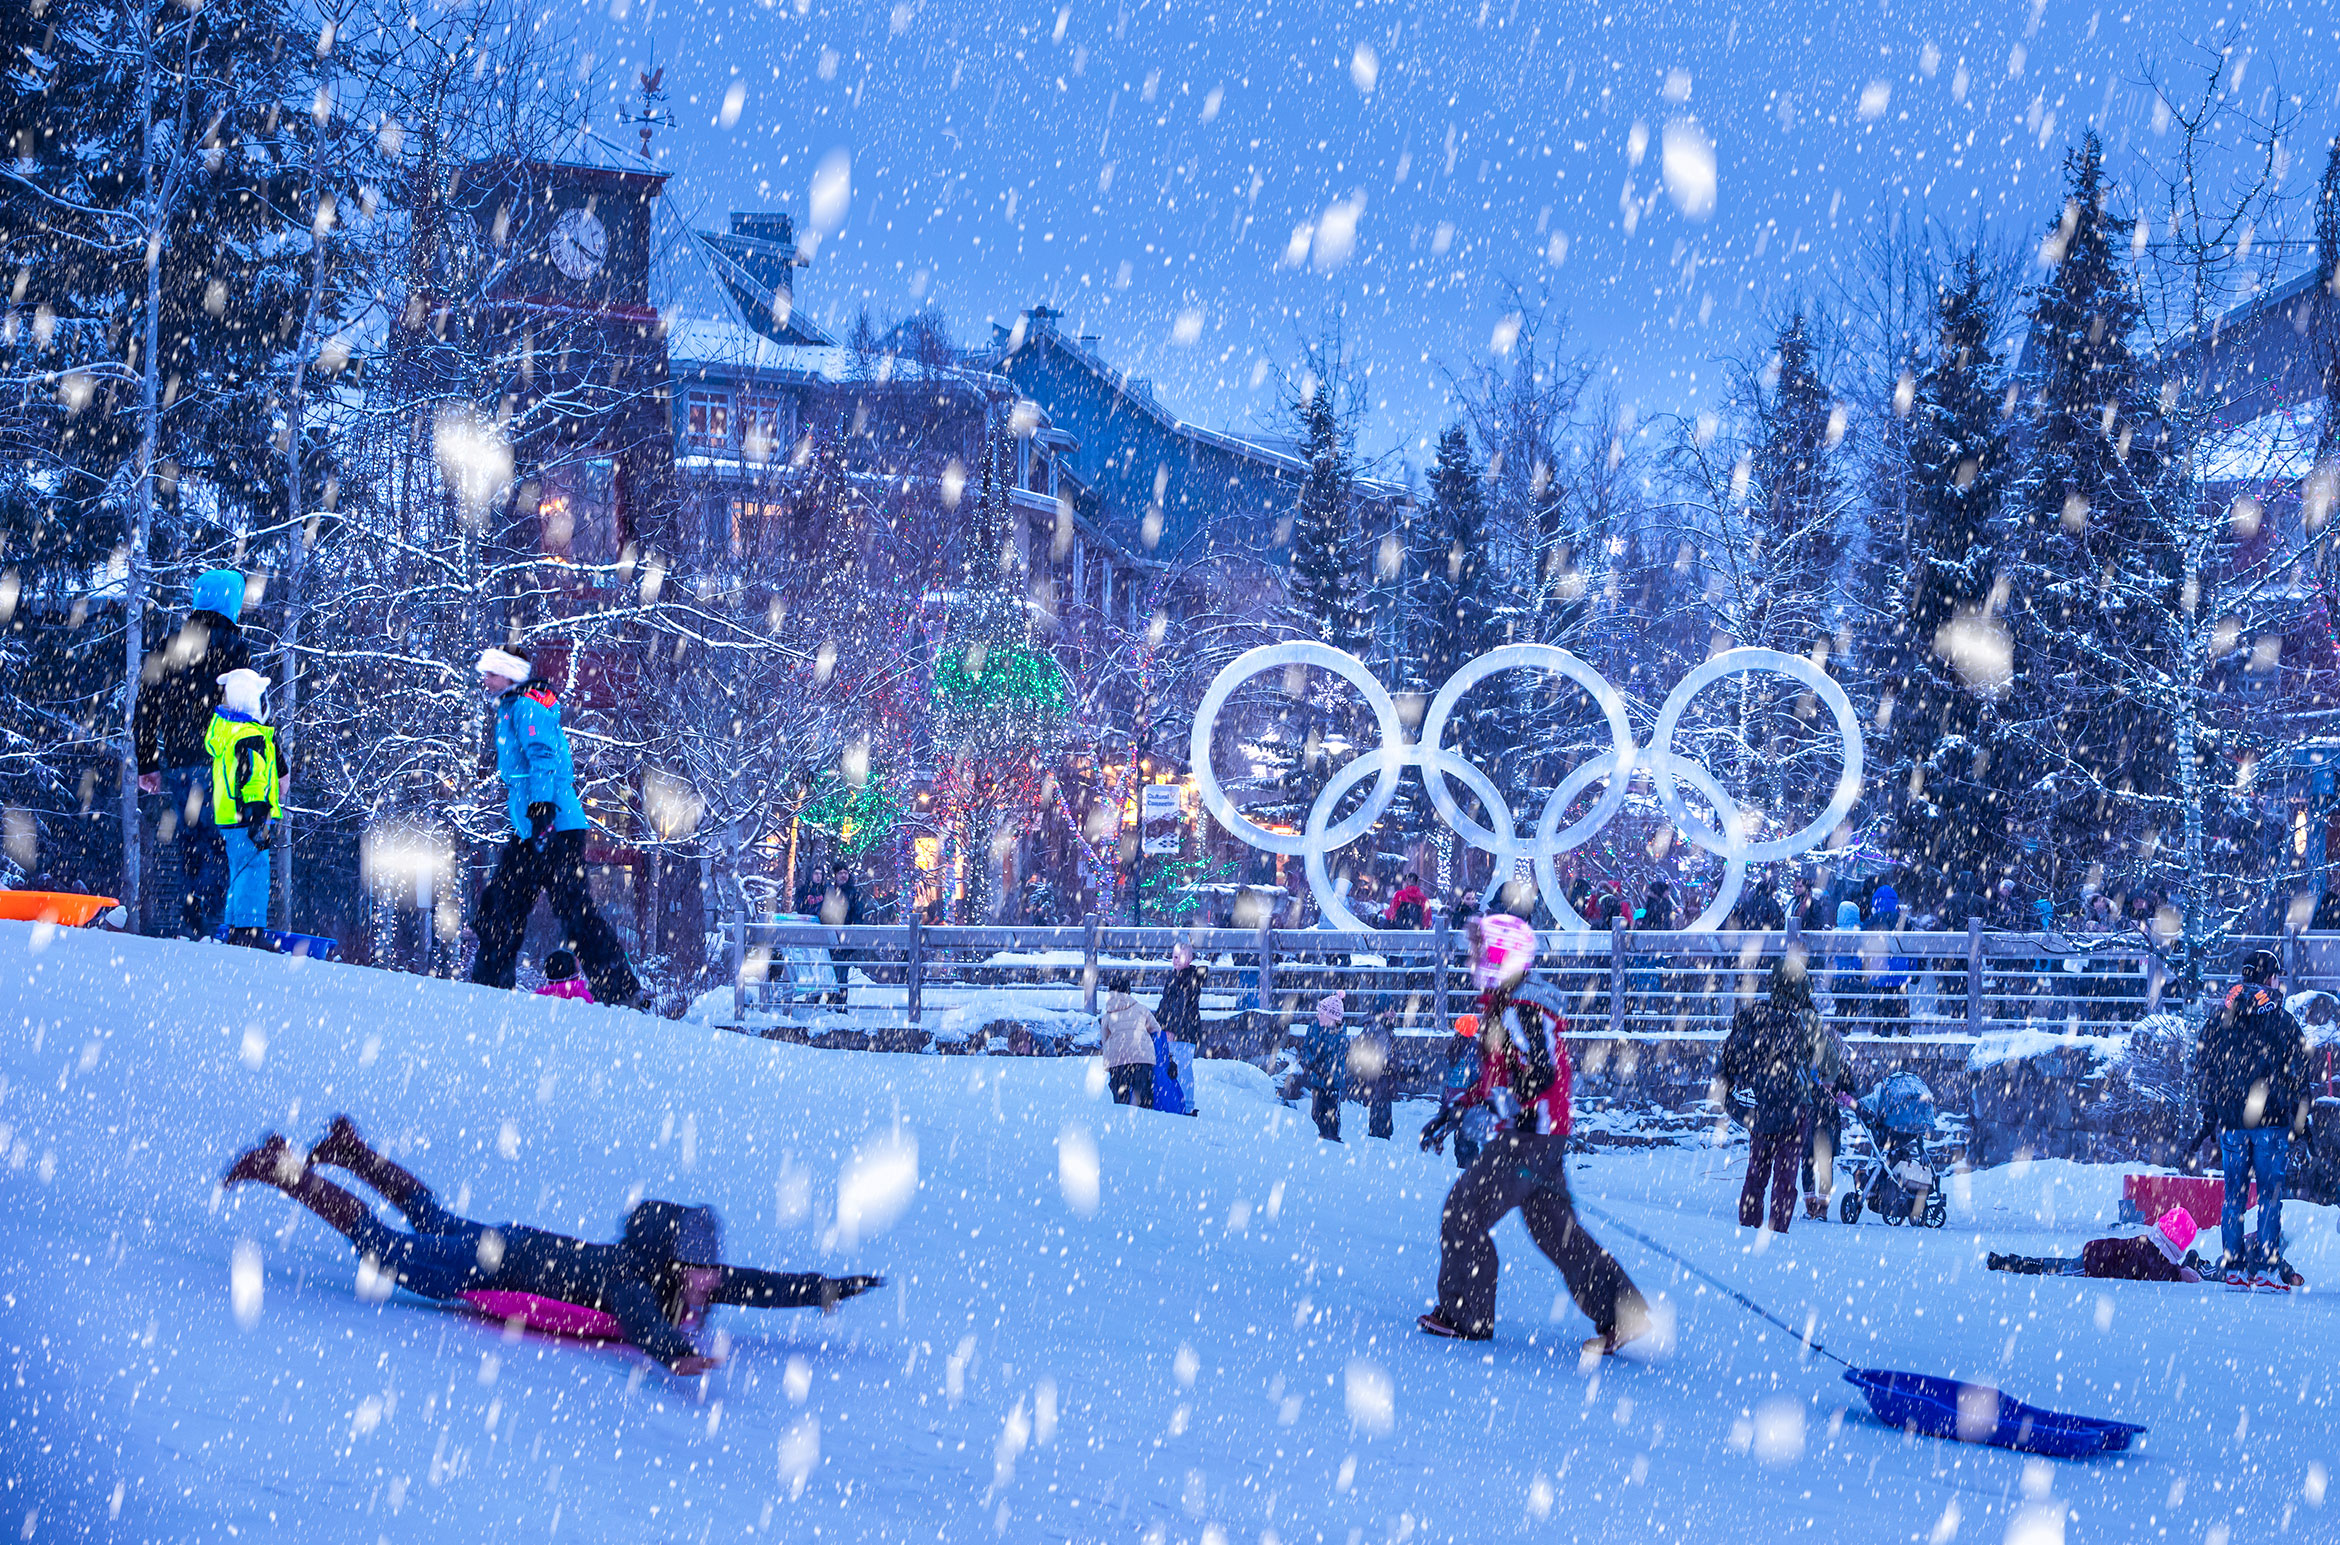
243 768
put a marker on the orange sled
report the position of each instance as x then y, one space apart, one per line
56 907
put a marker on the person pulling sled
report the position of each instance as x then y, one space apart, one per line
1524 1080
655 1284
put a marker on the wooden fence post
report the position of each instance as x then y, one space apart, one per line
1442 946
1616 976
1974 976
1089 926
735 951
1267 971
914 972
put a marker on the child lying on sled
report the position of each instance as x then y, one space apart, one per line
652 1288
2157 1254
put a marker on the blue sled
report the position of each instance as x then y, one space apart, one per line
1922 1403
314 946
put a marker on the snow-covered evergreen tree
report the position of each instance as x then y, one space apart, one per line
1943 659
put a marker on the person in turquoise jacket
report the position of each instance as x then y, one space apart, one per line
546 852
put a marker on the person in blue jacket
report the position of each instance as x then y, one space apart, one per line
546 852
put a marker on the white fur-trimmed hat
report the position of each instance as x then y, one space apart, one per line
504 663
239 692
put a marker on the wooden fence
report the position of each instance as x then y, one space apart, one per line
917 983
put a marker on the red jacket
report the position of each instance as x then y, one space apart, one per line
1528 1081
1413 893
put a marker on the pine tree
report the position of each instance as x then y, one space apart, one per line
1940 665
150 296
2098 576
1325 582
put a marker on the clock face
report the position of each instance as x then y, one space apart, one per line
579 243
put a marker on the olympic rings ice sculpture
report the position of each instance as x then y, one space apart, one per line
1386 766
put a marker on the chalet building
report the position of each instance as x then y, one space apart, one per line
756 381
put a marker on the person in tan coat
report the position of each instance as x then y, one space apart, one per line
1130 1029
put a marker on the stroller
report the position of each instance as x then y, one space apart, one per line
1897 1178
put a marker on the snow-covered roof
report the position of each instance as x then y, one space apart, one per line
736 346
2274 447
1138 394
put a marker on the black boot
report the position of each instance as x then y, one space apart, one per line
251 938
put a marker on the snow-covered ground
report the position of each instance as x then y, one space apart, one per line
1103 1324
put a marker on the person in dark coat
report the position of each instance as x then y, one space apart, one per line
177 695
656 1283
1179 1012
2253 1081
1657 907
1966 900
1770 1055
1372 1070
546 852
1759 910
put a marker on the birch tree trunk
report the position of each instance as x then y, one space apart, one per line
141 522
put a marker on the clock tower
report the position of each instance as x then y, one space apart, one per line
566 313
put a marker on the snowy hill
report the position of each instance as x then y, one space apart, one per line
1103 1324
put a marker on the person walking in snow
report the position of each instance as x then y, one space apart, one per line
1832 1089
2252 1075
177 692
1128 1047
1770 1055
1524 1076
1179 1011
246 800
655 1285
1324 1065
1373 1072
545 854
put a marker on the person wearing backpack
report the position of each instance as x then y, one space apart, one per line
1769 1056
1524 1079
247 790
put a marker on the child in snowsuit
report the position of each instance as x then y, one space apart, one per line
246 799
1471 1126
657 1282
562 979
1524 1077
1324 1065
2157 1254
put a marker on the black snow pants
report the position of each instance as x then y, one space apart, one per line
553 865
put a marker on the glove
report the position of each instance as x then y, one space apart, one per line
257 825
835 1290
1434 1134
541 816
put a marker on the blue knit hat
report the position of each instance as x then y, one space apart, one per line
221 591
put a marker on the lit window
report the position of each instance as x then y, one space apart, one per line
708 421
